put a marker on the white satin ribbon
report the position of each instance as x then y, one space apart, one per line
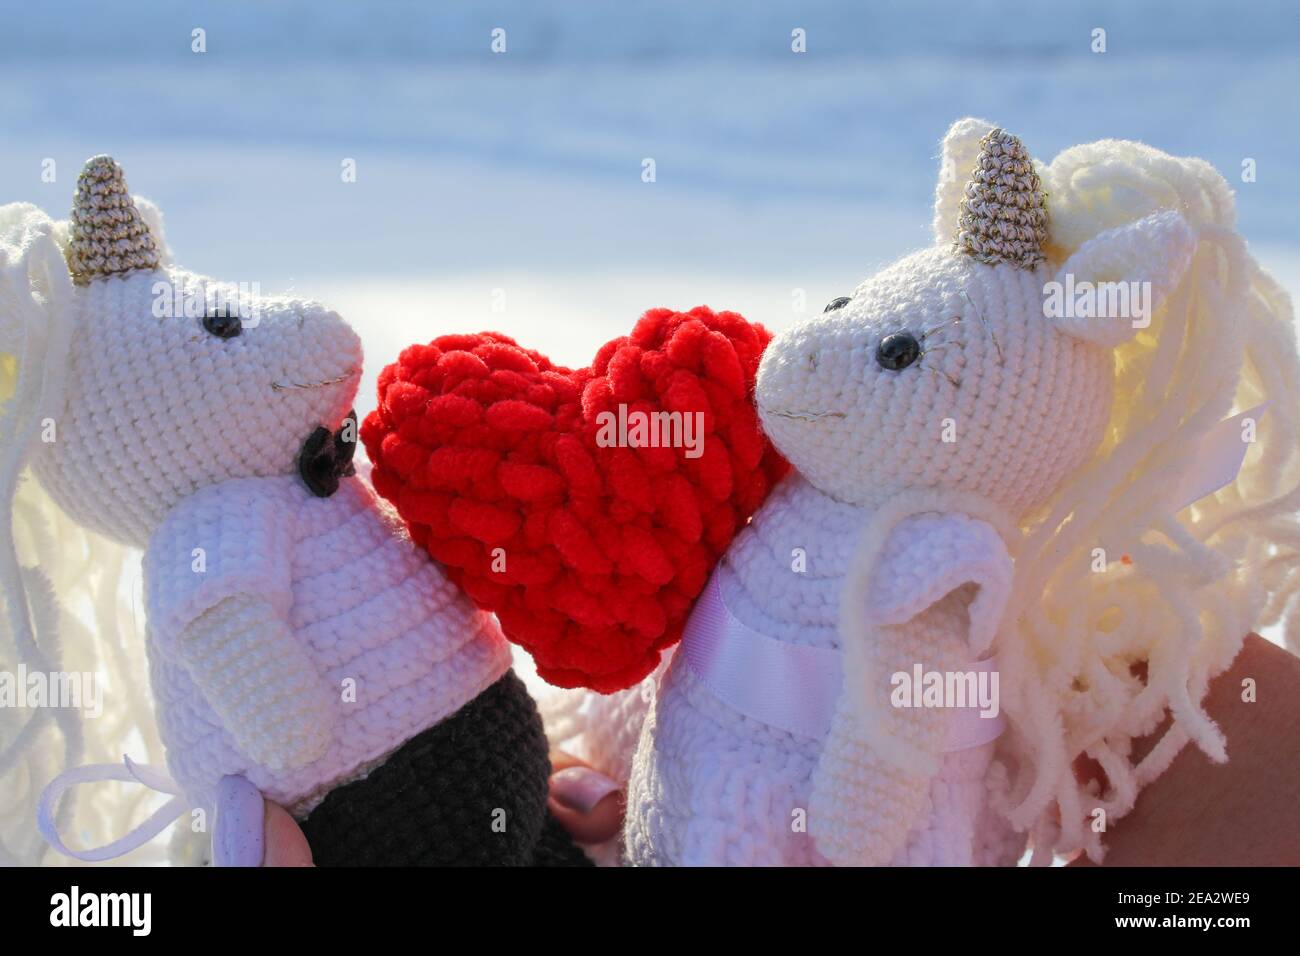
128 771
792 687
1213 461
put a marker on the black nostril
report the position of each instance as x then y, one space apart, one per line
897 351
223 323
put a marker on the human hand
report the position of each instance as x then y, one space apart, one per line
586 802
1199 813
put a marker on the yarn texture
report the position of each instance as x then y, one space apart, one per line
712 787
1003 214
109 236
352 607
295 635
435 801
589 552
949 417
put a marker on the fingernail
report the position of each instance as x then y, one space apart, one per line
241 821
581 788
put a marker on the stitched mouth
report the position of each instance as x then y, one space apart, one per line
802 416
283 386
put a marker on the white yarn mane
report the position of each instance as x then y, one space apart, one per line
1196 585
70 595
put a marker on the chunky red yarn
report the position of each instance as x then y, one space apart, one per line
590 556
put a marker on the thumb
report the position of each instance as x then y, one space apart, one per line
285 843
586 802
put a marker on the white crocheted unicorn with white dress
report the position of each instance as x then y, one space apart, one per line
964 447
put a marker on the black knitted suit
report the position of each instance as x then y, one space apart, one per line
469 791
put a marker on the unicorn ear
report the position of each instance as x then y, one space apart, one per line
1111 285
34 277
961 148
153 218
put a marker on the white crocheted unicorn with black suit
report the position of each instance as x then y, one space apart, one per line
297 639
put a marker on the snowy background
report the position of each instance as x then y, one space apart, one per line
521 171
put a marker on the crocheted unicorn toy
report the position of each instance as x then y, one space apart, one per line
1012 536
296 637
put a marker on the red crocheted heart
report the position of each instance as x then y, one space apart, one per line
590 554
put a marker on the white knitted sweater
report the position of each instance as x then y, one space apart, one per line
711 786
395 645
293 639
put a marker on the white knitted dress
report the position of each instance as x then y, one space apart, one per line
946 418
711 786
396 646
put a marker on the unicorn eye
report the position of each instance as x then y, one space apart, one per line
839 303
222 323
897 351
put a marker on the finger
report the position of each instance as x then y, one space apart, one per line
586 802
285 843
563 760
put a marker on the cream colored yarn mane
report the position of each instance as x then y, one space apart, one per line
1192 588
95 628
92 627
